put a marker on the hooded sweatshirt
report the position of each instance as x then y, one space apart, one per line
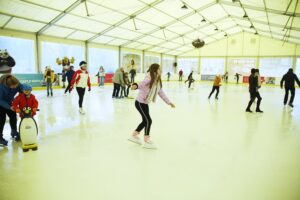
289 80
7 94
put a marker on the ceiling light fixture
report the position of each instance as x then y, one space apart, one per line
256 33
245 16
216 29
225 35
203 20
251 26
235 1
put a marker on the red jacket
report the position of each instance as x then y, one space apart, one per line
21 101
76 78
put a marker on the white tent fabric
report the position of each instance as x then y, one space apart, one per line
153 25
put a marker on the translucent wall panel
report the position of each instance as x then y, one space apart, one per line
187 64
241 65
274 67
150 60
107 58
167 65
22 50
212 66
132 60
298 67
51 51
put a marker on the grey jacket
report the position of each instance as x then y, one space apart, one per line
118 77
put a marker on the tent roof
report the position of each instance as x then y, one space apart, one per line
154 25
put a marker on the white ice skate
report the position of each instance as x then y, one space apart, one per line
149 145
81 111
136 140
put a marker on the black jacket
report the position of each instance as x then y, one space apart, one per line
253 83
289 80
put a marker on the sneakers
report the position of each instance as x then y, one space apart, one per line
135 139
259 111
291 105
15 135
3 142
81 111
248 110
149 145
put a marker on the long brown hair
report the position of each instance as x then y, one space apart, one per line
153 70
9 80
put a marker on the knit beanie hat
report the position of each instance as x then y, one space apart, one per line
82 63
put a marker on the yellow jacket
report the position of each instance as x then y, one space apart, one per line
51 76
217 81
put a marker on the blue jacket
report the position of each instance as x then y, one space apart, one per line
69 75
7 95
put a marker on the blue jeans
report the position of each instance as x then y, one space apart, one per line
101 81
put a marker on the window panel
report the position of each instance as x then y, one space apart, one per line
149 60
212 66
298 67
274 67
127 61
103 57
167 65
22 50
52 51
241 65
187 65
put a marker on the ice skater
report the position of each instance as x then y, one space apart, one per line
49 78
253 89
180 75
81 80
9 87
289 84
168 76
70 73
190 79
118 80
216 86
25 99
149 88
237 77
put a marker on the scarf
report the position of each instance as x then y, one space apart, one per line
153 92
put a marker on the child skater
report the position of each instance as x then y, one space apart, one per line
149 88
81 80
25 99
216 86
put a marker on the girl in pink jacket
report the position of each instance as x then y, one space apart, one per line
149 88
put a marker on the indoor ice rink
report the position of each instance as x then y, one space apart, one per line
196 147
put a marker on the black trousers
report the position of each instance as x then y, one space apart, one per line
68 87
213 90
80 92
12 119
127 90
132 79
253 95
116 90
123 91
286 96
147 121
190 82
